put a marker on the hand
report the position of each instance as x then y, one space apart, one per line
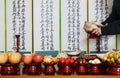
97 31
90 26
98 24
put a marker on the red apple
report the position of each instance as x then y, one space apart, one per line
38 58
27 58
67 61
72 60
62 60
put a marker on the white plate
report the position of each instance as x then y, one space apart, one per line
75 53
100 55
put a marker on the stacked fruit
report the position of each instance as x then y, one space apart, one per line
35 58
112 57
95 61
66 61
10 57
50 60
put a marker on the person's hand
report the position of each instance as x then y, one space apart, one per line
97 31
98 24
90 26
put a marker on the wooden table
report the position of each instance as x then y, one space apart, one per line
77 76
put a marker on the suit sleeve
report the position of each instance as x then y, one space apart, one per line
113 16
112 28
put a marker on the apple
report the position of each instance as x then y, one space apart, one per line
62 60
38 58
27 58
72 60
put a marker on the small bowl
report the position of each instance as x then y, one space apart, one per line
100 55
75 53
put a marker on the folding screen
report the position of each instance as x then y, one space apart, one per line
99 11
2 27
46 25
56 24
18 23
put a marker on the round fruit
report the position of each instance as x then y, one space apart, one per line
47 60
27 58
3 58
55 60
15 58
10 52
38 58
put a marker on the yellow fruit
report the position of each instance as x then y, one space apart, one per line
110 55
3 58
55 60
9 53
116 56
47 60
112 60
15 58
118 61
105 58
108 60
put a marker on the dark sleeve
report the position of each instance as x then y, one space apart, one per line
113 16
111 29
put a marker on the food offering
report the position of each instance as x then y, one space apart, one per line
11 58
67 65
32 58
112 57
32 63
3 58
94 64
37 58
50 63
89 57
95 61
112 60
95 67
50 60
14 58
27 58
10 63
